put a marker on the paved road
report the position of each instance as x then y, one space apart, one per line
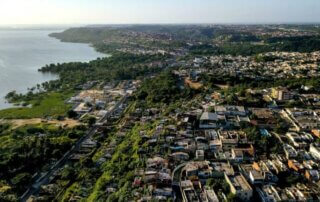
115 108
176 178
47 177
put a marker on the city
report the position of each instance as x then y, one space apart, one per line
167 112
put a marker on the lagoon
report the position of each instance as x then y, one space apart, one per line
23 52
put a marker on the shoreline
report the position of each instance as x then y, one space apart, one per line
5 104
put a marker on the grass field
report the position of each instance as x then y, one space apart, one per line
51 104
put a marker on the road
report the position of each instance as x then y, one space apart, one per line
46 178
115 108
176 178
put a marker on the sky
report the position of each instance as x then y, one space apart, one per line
15 12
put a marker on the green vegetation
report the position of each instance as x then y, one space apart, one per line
240 84
229 41
164 89
120 169
263 144
290 44
51 103
116 67
289 178
161 89
85 35
31 149
42 105
123 144
204 49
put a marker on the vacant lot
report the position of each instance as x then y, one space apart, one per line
16 123
193 85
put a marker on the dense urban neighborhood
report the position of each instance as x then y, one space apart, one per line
176 113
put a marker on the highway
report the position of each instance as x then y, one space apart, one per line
47 177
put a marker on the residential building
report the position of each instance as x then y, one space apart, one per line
239 186
281 94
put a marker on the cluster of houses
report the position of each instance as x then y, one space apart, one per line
271 65
99 101
193 146
283 32
263 31
201 146
203 152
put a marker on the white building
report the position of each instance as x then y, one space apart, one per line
315 151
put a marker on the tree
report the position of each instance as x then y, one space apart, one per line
92 120
231 197
72 114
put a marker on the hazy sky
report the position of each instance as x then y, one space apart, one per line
157 11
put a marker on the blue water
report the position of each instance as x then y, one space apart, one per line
23 52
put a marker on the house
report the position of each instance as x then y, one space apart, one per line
289 151
211 120
198 169
299 192
296 140
265 133
316 132
279 166
256 177
180 156
263 118
191 169
302 119
243 154
202 143
211 135
310 164
219 169
87 146
198 60
237 155
295 165
267 168
239 186
230 110
315 150
82 108
250 173
150 176
167 192
137 182
268 193
281 94
210 195
228 139
186 144
164 177
215 145
188 192
200 155
157 162
312 175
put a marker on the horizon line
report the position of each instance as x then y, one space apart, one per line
156 23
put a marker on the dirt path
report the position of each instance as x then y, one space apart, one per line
16 123
222 86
